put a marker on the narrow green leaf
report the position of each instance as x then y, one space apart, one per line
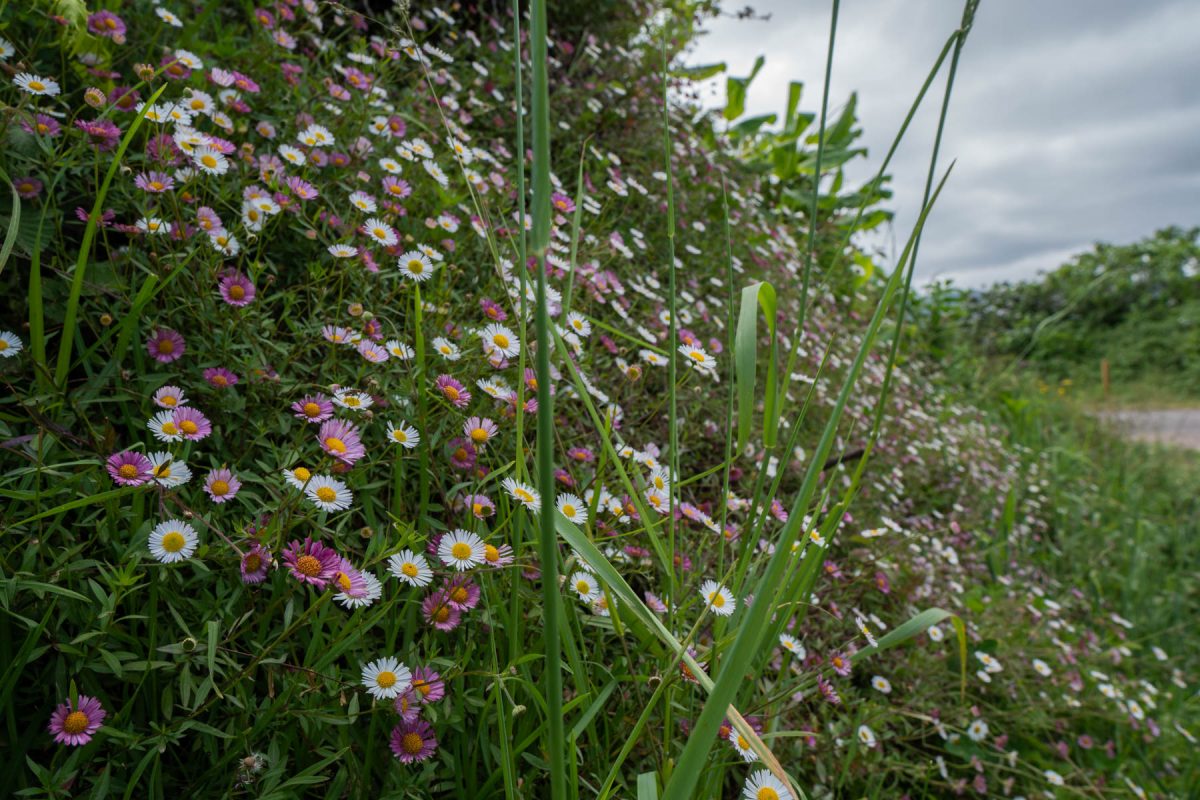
756 296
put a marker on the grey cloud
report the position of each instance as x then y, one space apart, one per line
1073 121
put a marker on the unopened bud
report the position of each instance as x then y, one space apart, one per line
94 97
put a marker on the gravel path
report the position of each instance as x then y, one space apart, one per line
1175 426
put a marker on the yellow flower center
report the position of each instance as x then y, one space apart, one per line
442 614
219 488
163 471
450 392
326 494
110 23
461 551
423 686
76 722
523 495
301 474
197 104
386 679
410 569
169 428
166 346
252 562
767 793
208 160
173 542
479 435
344 583
157 186
189 427
237 292
312 409
127 471
380 233
460 454
412 743
351 401
400 436
335 444
37 86
415 266
308 565
500 340
568 511
583 587
717 599
490 553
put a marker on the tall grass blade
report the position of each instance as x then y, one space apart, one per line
755 296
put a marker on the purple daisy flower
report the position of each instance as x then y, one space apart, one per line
28 187
165 345
129 468
828 691
413 741
76 726
220 378
428 685
313 408
453 391
302 188
462 453
493 310
191 423
236 289
42 125
154 182
311 562
438 612
108 25
461 592
124 98
408 705
221 485
480 505
255 564
840 663
396 188
103 133
341 440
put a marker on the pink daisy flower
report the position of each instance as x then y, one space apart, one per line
453 391
311 562
462 453
170 397
255 564
129 468
438 612
408 706
154 182
497 557
840 663
107 24
220 377
396 188
480 505
341 440
313 408
42 125
191 423
428 685
221 485
28 187
165 345
236 289
461 593
76 726
413 741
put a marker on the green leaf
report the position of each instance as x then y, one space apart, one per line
735 92
699 72
755 296
647 786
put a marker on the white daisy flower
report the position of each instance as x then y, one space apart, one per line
329 494
793 646
173 540
410 567
355 401
10 344
316 136
298 477
163 426
586 586
977 731
363 202
763 785
436 173
579 323
391 165
404 435
386 678
881 684
416 266
210 160
292 155
461 549
372 592
523 493
380 232
866 736
447 349
1041 668
399 349
168 17
572 508
153 226
742 745
865 631
499 339
36 84
719 600
167 472
342 251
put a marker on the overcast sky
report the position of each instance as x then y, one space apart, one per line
1072 121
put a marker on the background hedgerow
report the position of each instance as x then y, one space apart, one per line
270 521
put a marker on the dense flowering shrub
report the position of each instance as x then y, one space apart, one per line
268 518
